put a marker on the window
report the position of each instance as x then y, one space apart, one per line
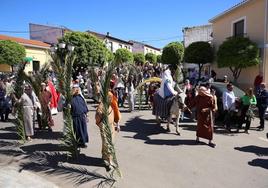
36 66
239 28
111 46
126 47
120 46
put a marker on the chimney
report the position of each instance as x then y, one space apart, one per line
108 34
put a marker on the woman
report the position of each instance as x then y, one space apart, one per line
247 101
45 98
163 97
79 112
204 104
113 118
131 95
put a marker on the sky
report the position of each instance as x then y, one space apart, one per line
155 22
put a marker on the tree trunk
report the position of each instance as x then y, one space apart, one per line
236 73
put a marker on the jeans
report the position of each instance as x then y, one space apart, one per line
262 110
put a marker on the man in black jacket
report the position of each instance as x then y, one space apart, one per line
262 103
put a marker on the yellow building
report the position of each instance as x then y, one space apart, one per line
36 52
248 18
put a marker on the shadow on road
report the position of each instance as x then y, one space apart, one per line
173 142
145 128
263 163
259 151
142 128
50 159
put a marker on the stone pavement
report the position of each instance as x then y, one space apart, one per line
148 156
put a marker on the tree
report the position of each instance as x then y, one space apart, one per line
123 55
89 50
139 58
151 58
237 53
173 53
158 58
11 53
199 53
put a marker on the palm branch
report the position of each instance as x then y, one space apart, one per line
107 129
63 68
35 81
19 122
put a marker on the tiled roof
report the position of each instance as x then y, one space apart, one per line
25 42
229 10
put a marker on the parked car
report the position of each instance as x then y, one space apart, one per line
220 88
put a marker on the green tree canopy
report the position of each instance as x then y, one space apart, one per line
199 53
173 53
11 53
139 58
89 50
237 53
151 58
158 58
122 55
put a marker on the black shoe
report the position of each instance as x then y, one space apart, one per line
212 145
267 135
83 146
260 128
49 129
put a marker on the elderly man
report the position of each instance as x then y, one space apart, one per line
262 103
30 103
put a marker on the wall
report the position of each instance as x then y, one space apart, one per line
38 55
222 29
198 33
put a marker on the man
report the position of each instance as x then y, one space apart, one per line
79 114
29 102
228 100
204 104
262 103
257 82
45 98
54 98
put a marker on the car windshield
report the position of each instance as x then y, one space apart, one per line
222 88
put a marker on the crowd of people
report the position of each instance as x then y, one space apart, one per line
201 100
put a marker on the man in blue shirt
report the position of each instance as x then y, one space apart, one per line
262 103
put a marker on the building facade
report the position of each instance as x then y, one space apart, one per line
47 34
248 18
36 51
139 47
112 43
197 33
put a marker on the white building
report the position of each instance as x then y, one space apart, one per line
139 47
112 43
197 33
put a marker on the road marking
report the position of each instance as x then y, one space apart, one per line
264 139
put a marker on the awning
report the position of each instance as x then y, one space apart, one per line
28 59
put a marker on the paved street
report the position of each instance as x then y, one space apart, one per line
148 157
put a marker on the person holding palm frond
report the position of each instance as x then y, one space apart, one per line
113 118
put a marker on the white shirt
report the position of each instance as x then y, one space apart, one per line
228 100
